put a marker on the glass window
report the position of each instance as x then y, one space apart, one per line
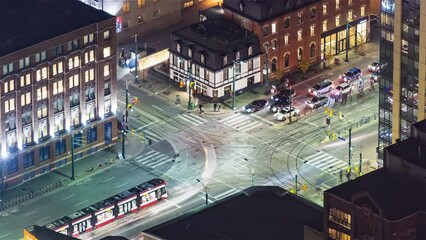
324 25
286 39
287 22
28 159
299 35
60 147
92 135
324 8
12 165
337 4
265 30
312 29
274 27
126 7
107 52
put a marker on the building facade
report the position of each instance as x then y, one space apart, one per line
58 82
403 79
294 31
212 53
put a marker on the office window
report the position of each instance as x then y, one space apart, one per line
12 165
73 62
299 54
40 56
286 37
73 45
141 3
58 103
225 60
59 122
9 105
337 4
26 116
89 75
107 87
265 30
41 93
25 80
60 147
156 13
74 97
24 62
312 29
57 51
88 39
106 35
57 68
42 111
126 7
58 87
287 22
91 135
299 35
10 122
225 74
25 99
106 70
44 153
8 68
350 15
337 20
89 56
274 27
300 17
90 92
324 25
73 81
107 52
28 159
90 111
9 86
362 11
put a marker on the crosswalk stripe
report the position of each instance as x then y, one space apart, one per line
193 119
152 135
313 156
236 119
257 124
161 163
186 120
157 160
321 160
198 117
147 157
145 154
327 164
229 117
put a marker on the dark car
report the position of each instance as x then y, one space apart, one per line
255 105
284 93
374 18
374 77
281 103
351 75
317 101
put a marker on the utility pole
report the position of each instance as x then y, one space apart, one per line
360 162
72 157
205 189
189 84
347 41
125 121
295 183
136 59
350 150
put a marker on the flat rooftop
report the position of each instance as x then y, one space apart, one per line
256 213
397 199
29 22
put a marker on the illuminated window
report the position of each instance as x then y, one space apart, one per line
88 39
73 81
274 27
42 113
350 15
41 93
106 70
178 47
58 87
25 99
274 44
8 68
141 3
324 25
225 60
286 37
57 68
89 56
250 51
337 20
40 56
312 29
299 54
9 86
300 17
25 80
349 2
337 4
73 62
202 58
126 7
362 10
58 104
89 75
107 52
9 105
299 35
106 35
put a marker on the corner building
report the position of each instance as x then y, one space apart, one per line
57 78
293 31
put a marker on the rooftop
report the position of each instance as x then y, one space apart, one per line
396 199
33 21
255 213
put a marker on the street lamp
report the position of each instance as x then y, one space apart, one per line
205 190
233 81
295 177
350 145
136 59
189 84
125 119
266 69
73 142
252 171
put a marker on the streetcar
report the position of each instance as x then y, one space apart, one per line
110 209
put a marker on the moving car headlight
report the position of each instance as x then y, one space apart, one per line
272 97
249 110
274 109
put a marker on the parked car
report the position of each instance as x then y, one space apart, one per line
374 67
343 88
286 113
286 93
280 104
374 77
317 101
321 87
351 75
255 105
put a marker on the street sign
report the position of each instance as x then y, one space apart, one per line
343 139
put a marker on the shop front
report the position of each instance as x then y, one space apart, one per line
335 39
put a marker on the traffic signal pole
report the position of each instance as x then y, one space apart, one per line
125 122
189 84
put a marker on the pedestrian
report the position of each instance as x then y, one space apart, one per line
200 107
214 107
218 107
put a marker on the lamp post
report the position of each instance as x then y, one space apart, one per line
350 146
189 84
125 120
73 140
205 190
252 171
136 59
233 82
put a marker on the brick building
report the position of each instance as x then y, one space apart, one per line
388 203
57 78
294 31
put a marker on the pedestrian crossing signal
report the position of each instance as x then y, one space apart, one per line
140 136
304 187
293 191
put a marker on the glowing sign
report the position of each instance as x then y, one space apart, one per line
118 23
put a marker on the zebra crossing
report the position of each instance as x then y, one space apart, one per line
152 135
153 159
241 122
326 162
192 119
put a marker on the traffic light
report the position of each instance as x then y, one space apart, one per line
340 115
326 110
327 121
330 112
133 132
140 136
293 191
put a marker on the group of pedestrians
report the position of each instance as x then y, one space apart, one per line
216 108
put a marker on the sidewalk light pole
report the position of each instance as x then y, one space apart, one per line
189 84
205 190
136 59
233 82
252 171
125 120
73 142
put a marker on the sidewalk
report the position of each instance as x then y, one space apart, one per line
61 177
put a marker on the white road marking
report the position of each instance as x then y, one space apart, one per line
80 203
224 194
70 196
157 108
174 204
41 220
254 115
108 179
28 214
121 185
7 234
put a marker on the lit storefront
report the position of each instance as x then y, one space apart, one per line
335 39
